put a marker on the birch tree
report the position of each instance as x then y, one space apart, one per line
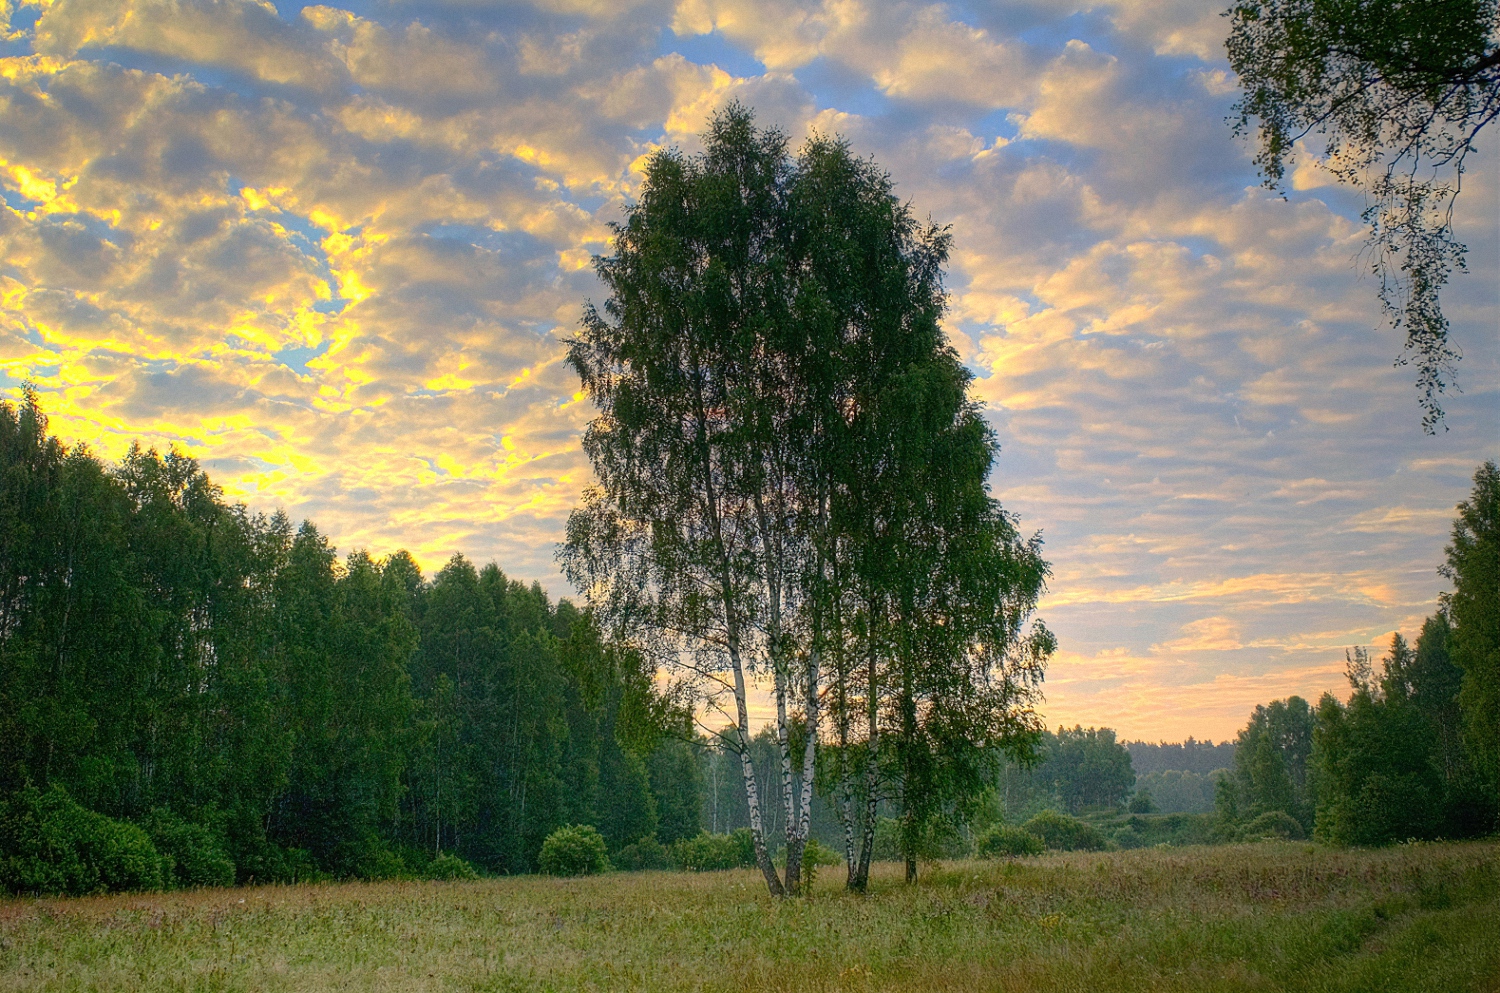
691 543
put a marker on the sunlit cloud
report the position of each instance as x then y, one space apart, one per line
335 253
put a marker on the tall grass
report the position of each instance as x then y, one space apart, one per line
1250 917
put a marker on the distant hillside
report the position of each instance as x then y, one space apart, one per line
1186 756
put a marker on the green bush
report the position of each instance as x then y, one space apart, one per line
1273 824
1063 833
937 841
50 844
380 862
1005 841
816 855
744 847
1128 837
446 866
578 850
711 852
648 853
192 855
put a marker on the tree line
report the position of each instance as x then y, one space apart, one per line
1414 751
182 679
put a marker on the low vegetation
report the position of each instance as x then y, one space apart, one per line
1279 915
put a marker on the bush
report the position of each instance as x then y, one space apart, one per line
1128 837
744 847
648 853
712 852
1142 802
937 841
1063 833
446 866
574 851
1005 841
192 855
815 855
50 844
380 862
1273 824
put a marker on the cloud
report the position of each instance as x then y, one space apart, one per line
243 35
335 254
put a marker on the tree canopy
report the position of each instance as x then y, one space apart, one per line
1473 607
1398 91
265 709
791 477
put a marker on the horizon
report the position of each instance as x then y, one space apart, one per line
332 253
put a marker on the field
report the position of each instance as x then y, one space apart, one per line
1251 917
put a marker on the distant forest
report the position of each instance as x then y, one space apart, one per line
1187 756
192 693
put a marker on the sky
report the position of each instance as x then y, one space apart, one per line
333 251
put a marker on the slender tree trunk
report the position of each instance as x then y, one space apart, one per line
809 767
872 758
726 597
747 768
793 858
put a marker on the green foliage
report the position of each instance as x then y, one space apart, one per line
1201 757
1399 92
50 844
1272 758
787 455
677 789
1141 802
1006 841
1473 566
162 650
1175 791
1151 830
711 852
648 853
1389 766
577 850
1063 833
1274 824
192 855
1078 769
816 856
449 866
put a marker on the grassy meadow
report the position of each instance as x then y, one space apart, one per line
1269 916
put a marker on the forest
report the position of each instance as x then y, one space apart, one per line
194 694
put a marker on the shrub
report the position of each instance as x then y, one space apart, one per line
706 852
1005 841
380 862
1128 837
297 865
446 866
744 847
1063 833
50 844
648 853
815 855
1142 802
192 855
578 850
1273 824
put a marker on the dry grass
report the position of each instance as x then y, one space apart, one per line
1255 917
